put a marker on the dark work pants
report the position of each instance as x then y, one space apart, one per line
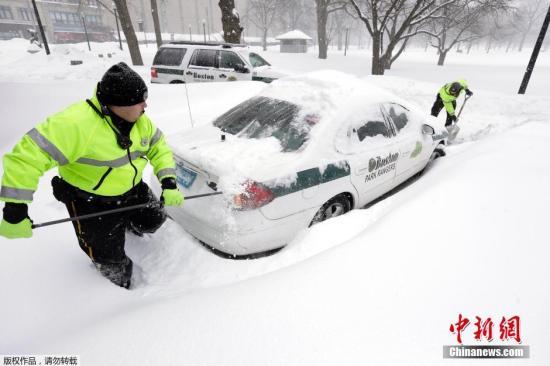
438 106
102 238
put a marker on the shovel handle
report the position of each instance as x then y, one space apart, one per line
116 210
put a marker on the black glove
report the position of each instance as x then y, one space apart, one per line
15 212
469 92
169 183
452 118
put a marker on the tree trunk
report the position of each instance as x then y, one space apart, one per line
489 45
442 55
156 22
230 21
129 33
264 39
523 37
322 16
377 61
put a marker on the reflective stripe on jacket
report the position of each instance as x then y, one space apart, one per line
448 98
85 148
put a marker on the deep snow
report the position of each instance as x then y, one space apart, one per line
377 286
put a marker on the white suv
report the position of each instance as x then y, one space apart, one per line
187 62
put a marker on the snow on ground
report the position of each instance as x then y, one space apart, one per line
378 286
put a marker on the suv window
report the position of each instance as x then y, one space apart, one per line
398 114
262 117
228 60
205 58
169 56
257 60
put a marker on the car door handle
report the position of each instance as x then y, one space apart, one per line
223 76
188 73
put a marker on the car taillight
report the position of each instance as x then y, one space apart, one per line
154 73
255 195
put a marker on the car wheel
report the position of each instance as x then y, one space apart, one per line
334 207
437 153
176 82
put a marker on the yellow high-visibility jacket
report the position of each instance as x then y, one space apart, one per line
84 147
448 98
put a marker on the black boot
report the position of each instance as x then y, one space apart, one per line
118 273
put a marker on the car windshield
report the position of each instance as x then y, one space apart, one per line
257 60
262 117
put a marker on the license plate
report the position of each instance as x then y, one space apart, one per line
185 177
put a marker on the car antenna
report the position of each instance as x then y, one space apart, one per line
188 105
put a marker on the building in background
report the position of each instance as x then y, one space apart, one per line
16 18
294 41
63 20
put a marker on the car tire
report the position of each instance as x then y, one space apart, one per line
437 153
176 82
334 207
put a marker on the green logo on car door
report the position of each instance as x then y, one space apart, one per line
417 150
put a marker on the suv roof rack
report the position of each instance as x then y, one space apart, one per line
224 45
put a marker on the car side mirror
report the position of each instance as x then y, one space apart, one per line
241 69
428 130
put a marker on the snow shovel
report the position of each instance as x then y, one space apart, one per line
122 209
454 129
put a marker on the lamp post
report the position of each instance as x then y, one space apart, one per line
346 45
535 54
204 29
85 31
190 35
141 28
117 28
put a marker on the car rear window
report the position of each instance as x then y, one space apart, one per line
262 117
169 56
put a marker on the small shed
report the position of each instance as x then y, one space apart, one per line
294 41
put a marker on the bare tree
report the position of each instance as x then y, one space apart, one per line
526 16
295 14
338 19
323 9
461 22
129 33
230 21
156 22
262 14
376 14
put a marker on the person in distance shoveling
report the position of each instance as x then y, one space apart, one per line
446 97
100 147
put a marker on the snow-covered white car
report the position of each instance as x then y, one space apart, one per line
305 149
187 62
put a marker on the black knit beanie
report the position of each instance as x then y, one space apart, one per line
121 86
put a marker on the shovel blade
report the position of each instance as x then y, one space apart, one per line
453 132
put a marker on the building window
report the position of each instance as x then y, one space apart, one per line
61 17
26 14
93 19
5 12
